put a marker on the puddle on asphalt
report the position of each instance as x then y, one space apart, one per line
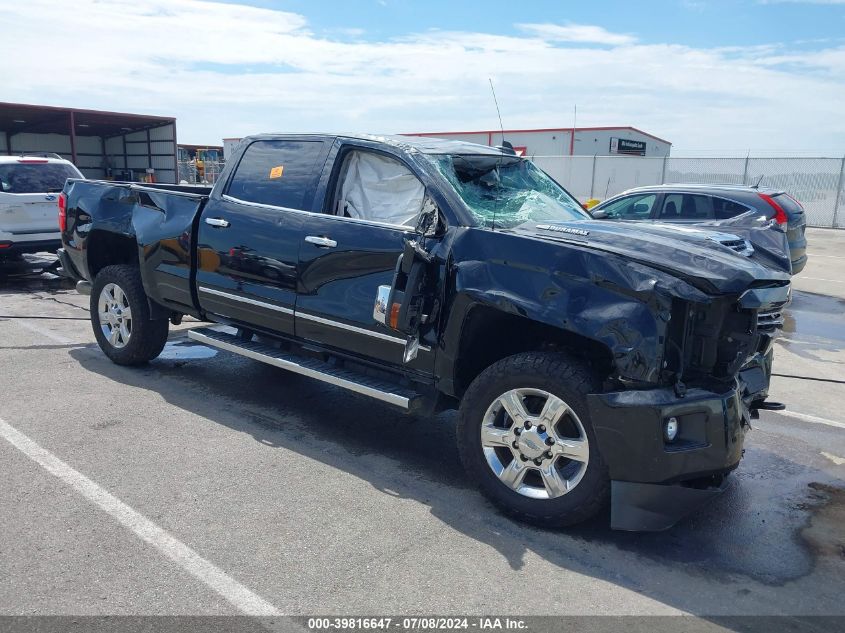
813 323
185 350
30 272
824 534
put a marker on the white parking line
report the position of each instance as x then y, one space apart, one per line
811 418
833 281
834 458
237 594
58 338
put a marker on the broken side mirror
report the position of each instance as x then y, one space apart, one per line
400 305
430 221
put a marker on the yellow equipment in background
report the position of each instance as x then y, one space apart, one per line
203 156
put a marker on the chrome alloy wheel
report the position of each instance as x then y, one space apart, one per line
535 443
115 315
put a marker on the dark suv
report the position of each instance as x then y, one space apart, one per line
705 204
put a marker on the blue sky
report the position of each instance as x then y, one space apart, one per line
690 22
714 77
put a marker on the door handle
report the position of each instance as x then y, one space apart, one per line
323 242
218 222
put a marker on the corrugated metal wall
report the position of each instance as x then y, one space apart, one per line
136 151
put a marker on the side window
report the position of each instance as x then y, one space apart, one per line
378 188
276 172
632 207
684 206
723 209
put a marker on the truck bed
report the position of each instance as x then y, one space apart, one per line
158 219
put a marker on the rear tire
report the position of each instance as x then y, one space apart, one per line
120 317
525 437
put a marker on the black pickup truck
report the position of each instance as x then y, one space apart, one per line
589 360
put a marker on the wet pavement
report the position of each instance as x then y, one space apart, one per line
324 502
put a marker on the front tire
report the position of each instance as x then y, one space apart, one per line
525 437
120 317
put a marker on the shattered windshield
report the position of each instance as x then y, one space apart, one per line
506 191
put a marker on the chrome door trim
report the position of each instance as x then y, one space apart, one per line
260 304
351 328
357 330
311 317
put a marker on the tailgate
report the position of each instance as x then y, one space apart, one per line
25 213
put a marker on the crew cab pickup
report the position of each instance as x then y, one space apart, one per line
589 361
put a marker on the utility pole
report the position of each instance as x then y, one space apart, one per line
72 124
838 193
572 145
745 171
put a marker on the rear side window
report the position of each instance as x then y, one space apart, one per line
723 209
278 173
685 206
35 177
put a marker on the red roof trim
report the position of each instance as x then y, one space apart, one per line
547 129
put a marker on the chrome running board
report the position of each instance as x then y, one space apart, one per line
311 367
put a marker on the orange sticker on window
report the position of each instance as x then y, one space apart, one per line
276 172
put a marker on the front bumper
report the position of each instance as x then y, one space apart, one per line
656 483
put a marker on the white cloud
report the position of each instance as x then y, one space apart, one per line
580 33
227 70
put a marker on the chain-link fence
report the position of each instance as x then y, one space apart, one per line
202 172
816 182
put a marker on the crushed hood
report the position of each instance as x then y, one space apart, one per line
694 253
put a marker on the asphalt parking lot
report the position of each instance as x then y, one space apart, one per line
206 483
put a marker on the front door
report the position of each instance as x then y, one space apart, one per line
249 237
351 250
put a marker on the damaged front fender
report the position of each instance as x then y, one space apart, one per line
625 306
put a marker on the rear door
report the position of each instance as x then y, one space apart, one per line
351 249
250 234
686 208
29 189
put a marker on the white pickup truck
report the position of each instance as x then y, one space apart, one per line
29 188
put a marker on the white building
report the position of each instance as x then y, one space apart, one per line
567 141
